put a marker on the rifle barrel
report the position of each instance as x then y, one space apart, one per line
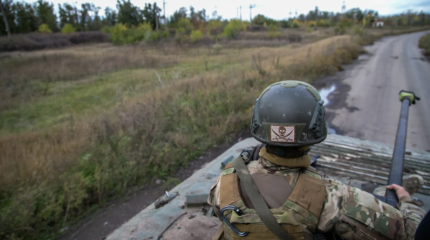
396 172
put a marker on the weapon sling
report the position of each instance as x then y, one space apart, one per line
257 200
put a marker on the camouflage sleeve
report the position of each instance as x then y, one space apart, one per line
214 194
355 214
413 214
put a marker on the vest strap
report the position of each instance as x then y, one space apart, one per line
258 201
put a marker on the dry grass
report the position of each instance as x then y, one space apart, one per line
74 151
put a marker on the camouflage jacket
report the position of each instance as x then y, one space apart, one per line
349 212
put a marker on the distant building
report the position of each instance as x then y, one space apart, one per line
378 23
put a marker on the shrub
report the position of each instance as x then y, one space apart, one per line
36 41
424 43
295 24
274 32
68 28
44 28
232 29
217 48
165 34
196 35
185 24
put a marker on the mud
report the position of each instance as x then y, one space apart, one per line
105 219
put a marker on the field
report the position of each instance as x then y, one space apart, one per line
82 124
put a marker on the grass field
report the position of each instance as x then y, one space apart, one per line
80 125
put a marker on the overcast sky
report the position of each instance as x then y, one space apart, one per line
277 9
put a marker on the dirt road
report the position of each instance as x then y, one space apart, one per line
365 103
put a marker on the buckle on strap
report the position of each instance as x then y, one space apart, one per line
238 212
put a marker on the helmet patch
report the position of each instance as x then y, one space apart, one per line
284 134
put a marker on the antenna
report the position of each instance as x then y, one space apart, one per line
251 6
290 14
241 13
295 16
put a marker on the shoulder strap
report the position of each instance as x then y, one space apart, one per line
258 201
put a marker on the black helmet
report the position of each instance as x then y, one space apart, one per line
289 114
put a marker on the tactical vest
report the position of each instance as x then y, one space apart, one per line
298 215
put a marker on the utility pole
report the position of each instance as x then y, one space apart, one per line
237 12
251 6
5 19
164 11
290 14
241 13
295 16
156 16
316 18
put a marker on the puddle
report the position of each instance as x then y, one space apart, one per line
325 92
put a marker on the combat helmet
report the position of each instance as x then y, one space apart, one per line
289 114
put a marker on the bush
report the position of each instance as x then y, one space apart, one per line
196 35
232 29
68 28
295 24
274 32
36 41
424 43
185 24
165 34
44 28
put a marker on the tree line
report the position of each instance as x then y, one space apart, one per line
23 17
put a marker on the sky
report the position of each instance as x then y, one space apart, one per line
277 9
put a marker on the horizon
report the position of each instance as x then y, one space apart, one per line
229 11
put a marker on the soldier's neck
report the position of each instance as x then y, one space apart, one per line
300 158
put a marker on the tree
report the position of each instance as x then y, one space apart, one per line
177 15
150 13
46 15
128 14
8 23
232 29
111 17
26 18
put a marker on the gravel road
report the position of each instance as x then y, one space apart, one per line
365 103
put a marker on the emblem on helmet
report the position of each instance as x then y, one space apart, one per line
282 133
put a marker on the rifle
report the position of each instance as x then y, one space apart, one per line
396 172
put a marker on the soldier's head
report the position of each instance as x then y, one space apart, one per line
289 114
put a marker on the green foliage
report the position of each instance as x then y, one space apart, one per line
46 14
184 25
274 31
177 16
424 43
261 19
165 34
120 34
196 35
232 29
358 30
285 23
128 14
149 14
44 28
68 28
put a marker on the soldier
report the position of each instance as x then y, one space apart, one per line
281 197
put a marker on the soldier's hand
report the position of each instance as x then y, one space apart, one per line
400 191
